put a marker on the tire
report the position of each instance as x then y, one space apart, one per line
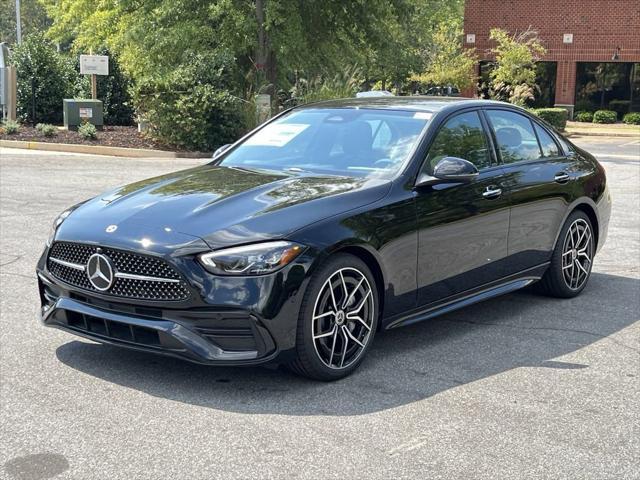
572 258
330 345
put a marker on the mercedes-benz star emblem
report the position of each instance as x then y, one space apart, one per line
100 272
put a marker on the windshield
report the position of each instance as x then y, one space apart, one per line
350 141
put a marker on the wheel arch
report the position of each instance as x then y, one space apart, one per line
593 218
370 259
588 207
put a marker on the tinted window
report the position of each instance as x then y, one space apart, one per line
515 136
463 137
566 146
547 143
348 141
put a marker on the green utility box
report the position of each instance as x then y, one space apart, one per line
76 112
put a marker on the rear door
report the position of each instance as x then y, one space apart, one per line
538 176
462 228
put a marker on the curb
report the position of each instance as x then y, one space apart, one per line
586 133
100 150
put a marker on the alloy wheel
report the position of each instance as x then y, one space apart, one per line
343 317
577 254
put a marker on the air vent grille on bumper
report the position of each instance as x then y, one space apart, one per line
67 262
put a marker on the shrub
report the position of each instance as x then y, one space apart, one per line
44 80
47 129
203 118
632 118
556 117
583 116
11 127
113 90
88 131
191 107
605 116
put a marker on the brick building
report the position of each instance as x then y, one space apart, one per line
593 47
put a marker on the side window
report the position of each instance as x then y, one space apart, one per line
514 135
463 137
547 143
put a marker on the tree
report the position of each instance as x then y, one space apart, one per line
270 39
514 75
447 62
271 43
33 19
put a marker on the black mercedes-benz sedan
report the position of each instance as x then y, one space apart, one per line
332 221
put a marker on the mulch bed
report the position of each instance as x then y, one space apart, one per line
127 137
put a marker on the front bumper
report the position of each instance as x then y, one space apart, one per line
161 336
203 330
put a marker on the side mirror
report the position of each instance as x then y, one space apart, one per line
221 150
449 170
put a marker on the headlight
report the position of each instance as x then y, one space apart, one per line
56 223
257 259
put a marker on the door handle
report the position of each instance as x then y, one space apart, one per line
492 192
562 177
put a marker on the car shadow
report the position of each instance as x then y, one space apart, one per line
405 365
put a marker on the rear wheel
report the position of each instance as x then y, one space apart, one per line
572 259
338 319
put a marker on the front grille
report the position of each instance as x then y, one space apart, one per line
168 287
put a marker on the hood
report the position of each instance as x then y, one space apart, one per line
221 205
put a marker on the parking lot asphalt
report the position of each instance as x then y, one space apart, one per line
521 386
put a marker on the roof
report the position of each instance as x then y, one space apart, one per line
411 103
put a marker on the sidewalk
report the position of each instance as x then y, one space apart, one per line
599 129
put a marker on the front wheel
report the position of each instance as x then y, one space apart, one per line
572 259
338 319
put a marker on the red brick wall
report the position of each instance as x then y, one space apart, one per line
599 27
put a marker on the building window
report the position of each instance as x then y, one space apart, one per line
545 91
545 94
608 85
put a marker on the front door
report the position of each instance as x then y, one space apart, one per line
462 228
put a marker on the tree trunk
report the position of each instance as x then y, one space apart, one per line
265 56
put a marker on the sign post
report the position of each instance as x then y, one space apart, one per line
94 87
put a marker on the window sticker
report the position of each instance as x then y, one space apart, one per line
277 135
423 115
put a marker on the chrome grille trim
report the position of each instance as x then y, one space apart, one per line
68 264
145 278
129 276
